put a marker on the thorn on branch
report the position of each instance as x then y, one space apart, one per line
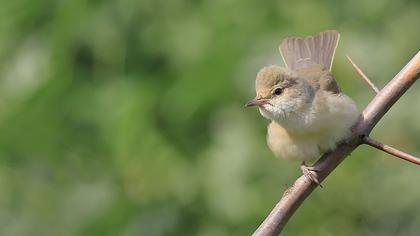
390 150
363 75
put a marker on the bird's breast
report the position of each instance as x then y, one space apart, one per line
312 133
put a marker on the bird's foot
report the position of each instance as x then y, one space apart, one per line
310 172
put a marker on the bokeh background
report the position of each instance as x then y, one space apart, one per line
127 118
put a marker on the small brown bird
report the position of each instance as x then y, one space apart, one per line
309 114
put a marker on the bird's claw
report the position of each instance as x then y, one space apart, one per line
310 173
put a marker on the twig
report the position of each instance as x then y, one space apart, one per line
363 75
369 141
390 150
302 188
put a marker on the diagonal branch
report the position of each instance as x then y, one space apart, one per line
302 188
369 141
390 150
363 75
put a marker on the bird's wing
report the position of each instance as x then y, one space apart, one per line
304 52
319 78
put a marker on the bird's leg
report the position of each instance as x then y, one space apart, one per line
310 173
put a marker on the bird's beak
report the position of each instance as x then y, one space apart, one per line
256 102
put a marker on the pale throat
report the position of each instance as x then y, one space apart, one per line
288 117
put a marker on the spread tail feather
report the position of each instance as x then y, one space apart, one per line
302 52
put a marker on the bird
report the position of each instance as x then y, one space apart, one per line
308 111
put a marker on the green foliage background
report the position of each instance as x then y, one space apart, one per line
126 118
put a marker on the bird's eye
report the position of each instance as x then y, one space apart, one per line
277 91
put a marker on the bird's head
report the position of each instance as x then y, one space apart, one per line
281 94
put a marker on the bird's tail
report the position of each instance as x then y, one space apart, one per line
301 52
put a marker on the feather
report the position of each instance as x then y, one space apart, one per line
300 52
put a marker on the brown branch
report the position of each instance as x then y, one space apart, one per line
369 141
302 188
363 75
390 150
